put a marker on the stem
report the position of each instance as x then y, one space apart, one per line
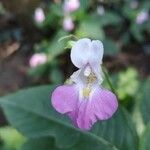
108 80
67 37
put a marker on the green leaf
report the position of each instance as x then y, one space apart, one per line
45 143
11 139
144 140
30 111
56 75
84 4
109 18
55 47
38 71
145 103
90 29
110 47
136 30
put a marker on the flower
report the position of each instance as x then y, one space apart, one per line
142 17
71 5
100 10
37 59
68 24
39 15
84 100
134 4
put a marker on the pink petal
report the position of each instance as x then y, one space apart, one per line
86 117
105 104
64 98
101 106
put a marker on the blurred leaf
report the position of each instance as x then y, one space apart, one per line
110 47
90 29
38 71
31 113
146 26
136 31
45 143
145 5
70 44
53 17
2 10
55 47
109 18
56 9
128 12
144 140
84 4
127 84
12 140
145 103
125 37
56 76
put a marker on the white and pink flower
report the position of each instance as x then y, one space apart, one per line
39 15
71 5
68 23
85 101
37 59
142 17
134 4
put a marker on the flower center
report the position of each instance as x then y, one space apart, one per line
86 92
91 78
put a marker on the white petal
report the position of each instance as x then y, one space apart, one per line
75 76
80 52
87 71
96 53
78 77
99 73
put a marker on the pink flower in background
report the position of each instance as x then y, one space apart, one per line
100 10
71 5
134 4
39 15
84 100
37 59
68 24
142 17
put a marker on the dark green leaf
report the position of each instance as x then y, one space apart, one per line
38 71
145 103
56 75
109 18
84 4
45 143
110 47
30 111
55 47
144 140
136 31
90 29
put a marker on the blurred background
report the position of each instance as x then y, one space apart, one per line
33 50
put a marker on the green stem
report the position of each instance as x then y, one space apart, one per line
68 37
108 80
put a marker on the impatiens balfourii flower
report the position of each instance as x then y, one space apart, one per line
39 15
68 23
100 10
134 4
37 59
142 17
84 100
71 5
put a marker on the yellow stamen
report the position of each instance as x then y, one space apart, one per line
91 78
86 92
